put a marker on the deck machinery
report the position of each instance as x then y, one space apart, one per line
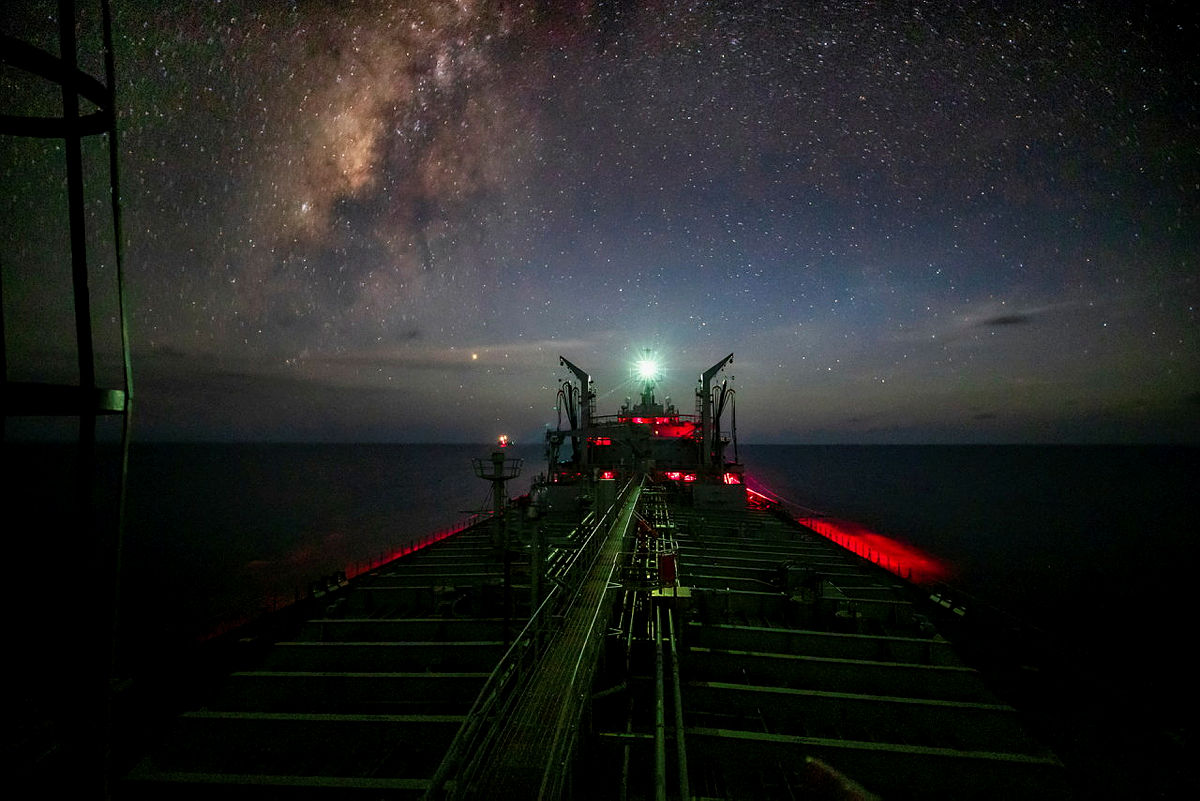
645 438
744 655
645 628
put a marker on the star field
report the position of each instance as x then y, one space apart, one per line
911 222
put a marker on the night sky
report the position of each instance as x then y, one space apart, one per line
910 221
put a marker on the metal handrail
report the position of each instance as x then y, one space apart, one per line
470 743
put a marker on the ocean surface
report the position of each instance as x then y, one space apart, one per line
1095 544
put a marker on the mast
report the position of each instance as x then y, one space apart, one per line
648 372
706 410
587 399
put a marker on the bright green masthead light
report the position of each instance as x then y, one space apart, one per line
647 369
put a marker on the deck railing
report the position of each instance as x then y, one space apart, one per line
480 741
281 597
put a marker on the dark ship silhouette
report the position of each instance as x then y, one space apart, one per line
641 625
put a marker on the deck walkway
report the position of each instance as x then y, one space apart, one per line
531 754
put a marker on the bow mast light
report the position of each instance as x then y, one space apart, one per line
647 369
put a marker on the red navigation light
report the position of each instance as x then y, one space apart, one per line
502 440
608 475
600 440
689 476
731 478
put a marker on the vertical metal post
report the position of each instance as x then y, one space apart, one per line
660 725
501 538
93 726
535 569
685 792
498 498
114 184
73 147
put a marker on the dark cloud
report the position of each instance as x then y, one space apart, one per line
1006 319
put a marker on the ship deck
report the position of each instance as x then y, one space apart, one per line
776 663
361 702
791 649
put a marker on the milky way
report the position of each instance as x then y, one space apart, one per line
911 222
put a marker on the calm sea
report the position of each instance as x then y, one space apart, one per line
218 533
1096 544
1076 538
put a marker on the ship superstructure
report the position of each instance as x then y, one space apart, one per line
644 436
641 626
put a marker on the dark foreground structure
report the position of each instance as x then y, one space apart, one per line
640 626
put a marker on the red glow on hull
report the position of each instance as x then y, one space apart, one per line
404 550
756 500
357 568
897 557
